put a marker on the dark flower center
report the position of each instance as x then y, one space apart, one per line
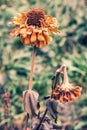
34 16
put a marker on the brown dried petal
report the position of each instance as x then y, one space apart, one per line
66 92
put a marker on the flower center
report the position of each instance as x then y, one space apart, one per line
34 16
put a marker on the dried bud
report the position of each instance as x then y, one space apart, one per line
31 104
66 92
52 106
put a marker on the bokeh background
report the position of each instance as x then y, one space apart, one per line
69 47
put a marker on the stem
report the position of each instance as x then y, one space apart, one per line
59 70
63 68
54 80
32 68
65 76
27 117
42 119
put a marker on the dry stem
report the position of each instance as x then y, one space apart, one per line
42 119
32 68
63 68
65 75
27 117
30 81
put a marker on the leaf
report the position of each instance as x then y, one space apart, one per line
30 99
52 106
45 125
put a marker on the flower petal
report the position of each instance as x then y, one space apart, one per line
15 32
27 40
33 37
40 37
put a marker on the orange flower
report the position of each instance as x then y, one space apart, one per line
33 27
66 92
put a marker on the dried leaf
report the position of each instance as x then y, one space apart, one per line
30 99
52 106
45 125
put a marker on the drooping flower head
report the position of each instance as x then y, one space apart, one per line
33 27
66 92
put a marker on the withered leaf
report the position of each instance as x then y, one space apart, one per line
31 102
52 106
45 125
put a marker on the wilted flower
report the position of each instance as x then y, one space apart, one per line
33 27
66 92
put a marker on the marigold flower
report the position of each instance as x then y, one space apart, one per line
66 92
33 27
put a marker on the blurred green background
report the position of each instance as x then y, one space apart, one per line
70 48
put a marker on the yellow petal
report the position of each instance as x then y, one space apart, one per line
47 38
15 32
26 40
23 30
40 37
29 31
33 37
53 30
41 44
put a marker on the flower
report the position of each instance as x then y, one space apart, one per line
33 27
66 92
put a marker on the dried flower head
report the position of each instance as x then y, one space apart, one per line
66 92
33 27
